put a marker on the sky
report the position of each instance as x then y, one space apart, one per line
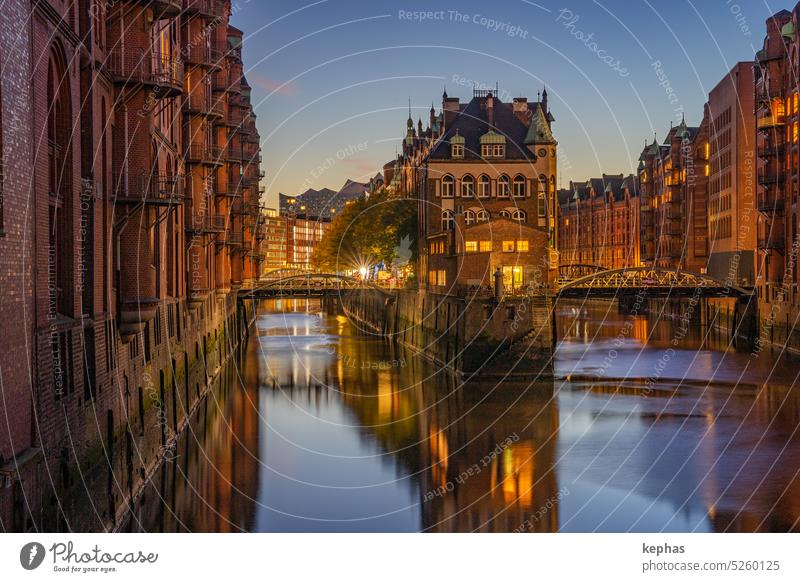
332 79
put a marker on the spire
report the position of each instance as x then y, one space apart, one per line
409 122
539 130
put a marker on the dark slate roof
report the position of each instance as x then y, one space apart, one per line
564 197
631 183
612 186
471 124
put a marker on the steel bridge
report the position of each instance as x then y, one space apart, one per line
652 281
306 284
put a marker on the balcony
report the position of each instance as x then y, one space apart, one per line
234 239
771 178
198 103
207 8
205 223
770 121
771 241
162 72
234 118
768 90
156 189
197 154
219 83
217 108
769 151
234 154
769 202
164 8
234 188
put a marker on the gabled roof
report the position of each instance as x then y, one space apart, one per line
539 129
471 123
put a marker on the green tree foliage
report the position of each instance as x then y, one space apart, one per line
368 232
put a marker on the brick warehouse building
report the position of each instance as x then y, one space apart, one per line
486 175
777 115
673 179
598 223
129 216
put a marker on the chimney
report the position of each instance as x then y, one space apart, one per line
490 110
520 108
452 107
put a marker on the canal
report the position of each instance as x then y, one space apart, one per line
650 425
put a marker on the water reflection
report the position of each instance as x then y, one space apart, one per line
320 428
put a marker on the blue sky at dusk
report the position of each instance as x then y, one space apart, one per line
331 78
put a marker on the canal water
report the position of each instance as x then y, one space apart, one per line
650 425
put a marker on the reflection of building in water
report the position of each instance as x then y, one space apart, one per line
211 484
492 468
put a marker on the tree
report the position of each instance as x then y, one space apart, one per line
367 232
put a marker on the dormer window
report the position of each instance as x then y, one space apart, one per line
493 145
457 147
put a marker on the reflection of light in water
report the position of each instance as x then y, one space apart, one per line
518 469
385 397
437 444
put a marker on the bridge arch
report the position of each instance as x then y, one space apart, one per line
610 282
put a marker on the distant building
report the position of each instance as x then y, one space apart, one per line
732 180
485 174
326 203
673 179
303 234
273 230
598 223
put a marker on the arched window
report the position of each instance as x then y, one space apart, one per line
447 220
505 214
519 216
467 186
503 187
469 217
448 186
483 216
484 186
59 146
541 197
519 186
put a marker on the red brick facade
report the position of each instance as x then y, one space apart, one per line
119 242
599 223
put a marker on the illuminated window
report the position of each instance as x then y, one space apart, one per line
522 246
441 278
471 246
508 246
486 246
